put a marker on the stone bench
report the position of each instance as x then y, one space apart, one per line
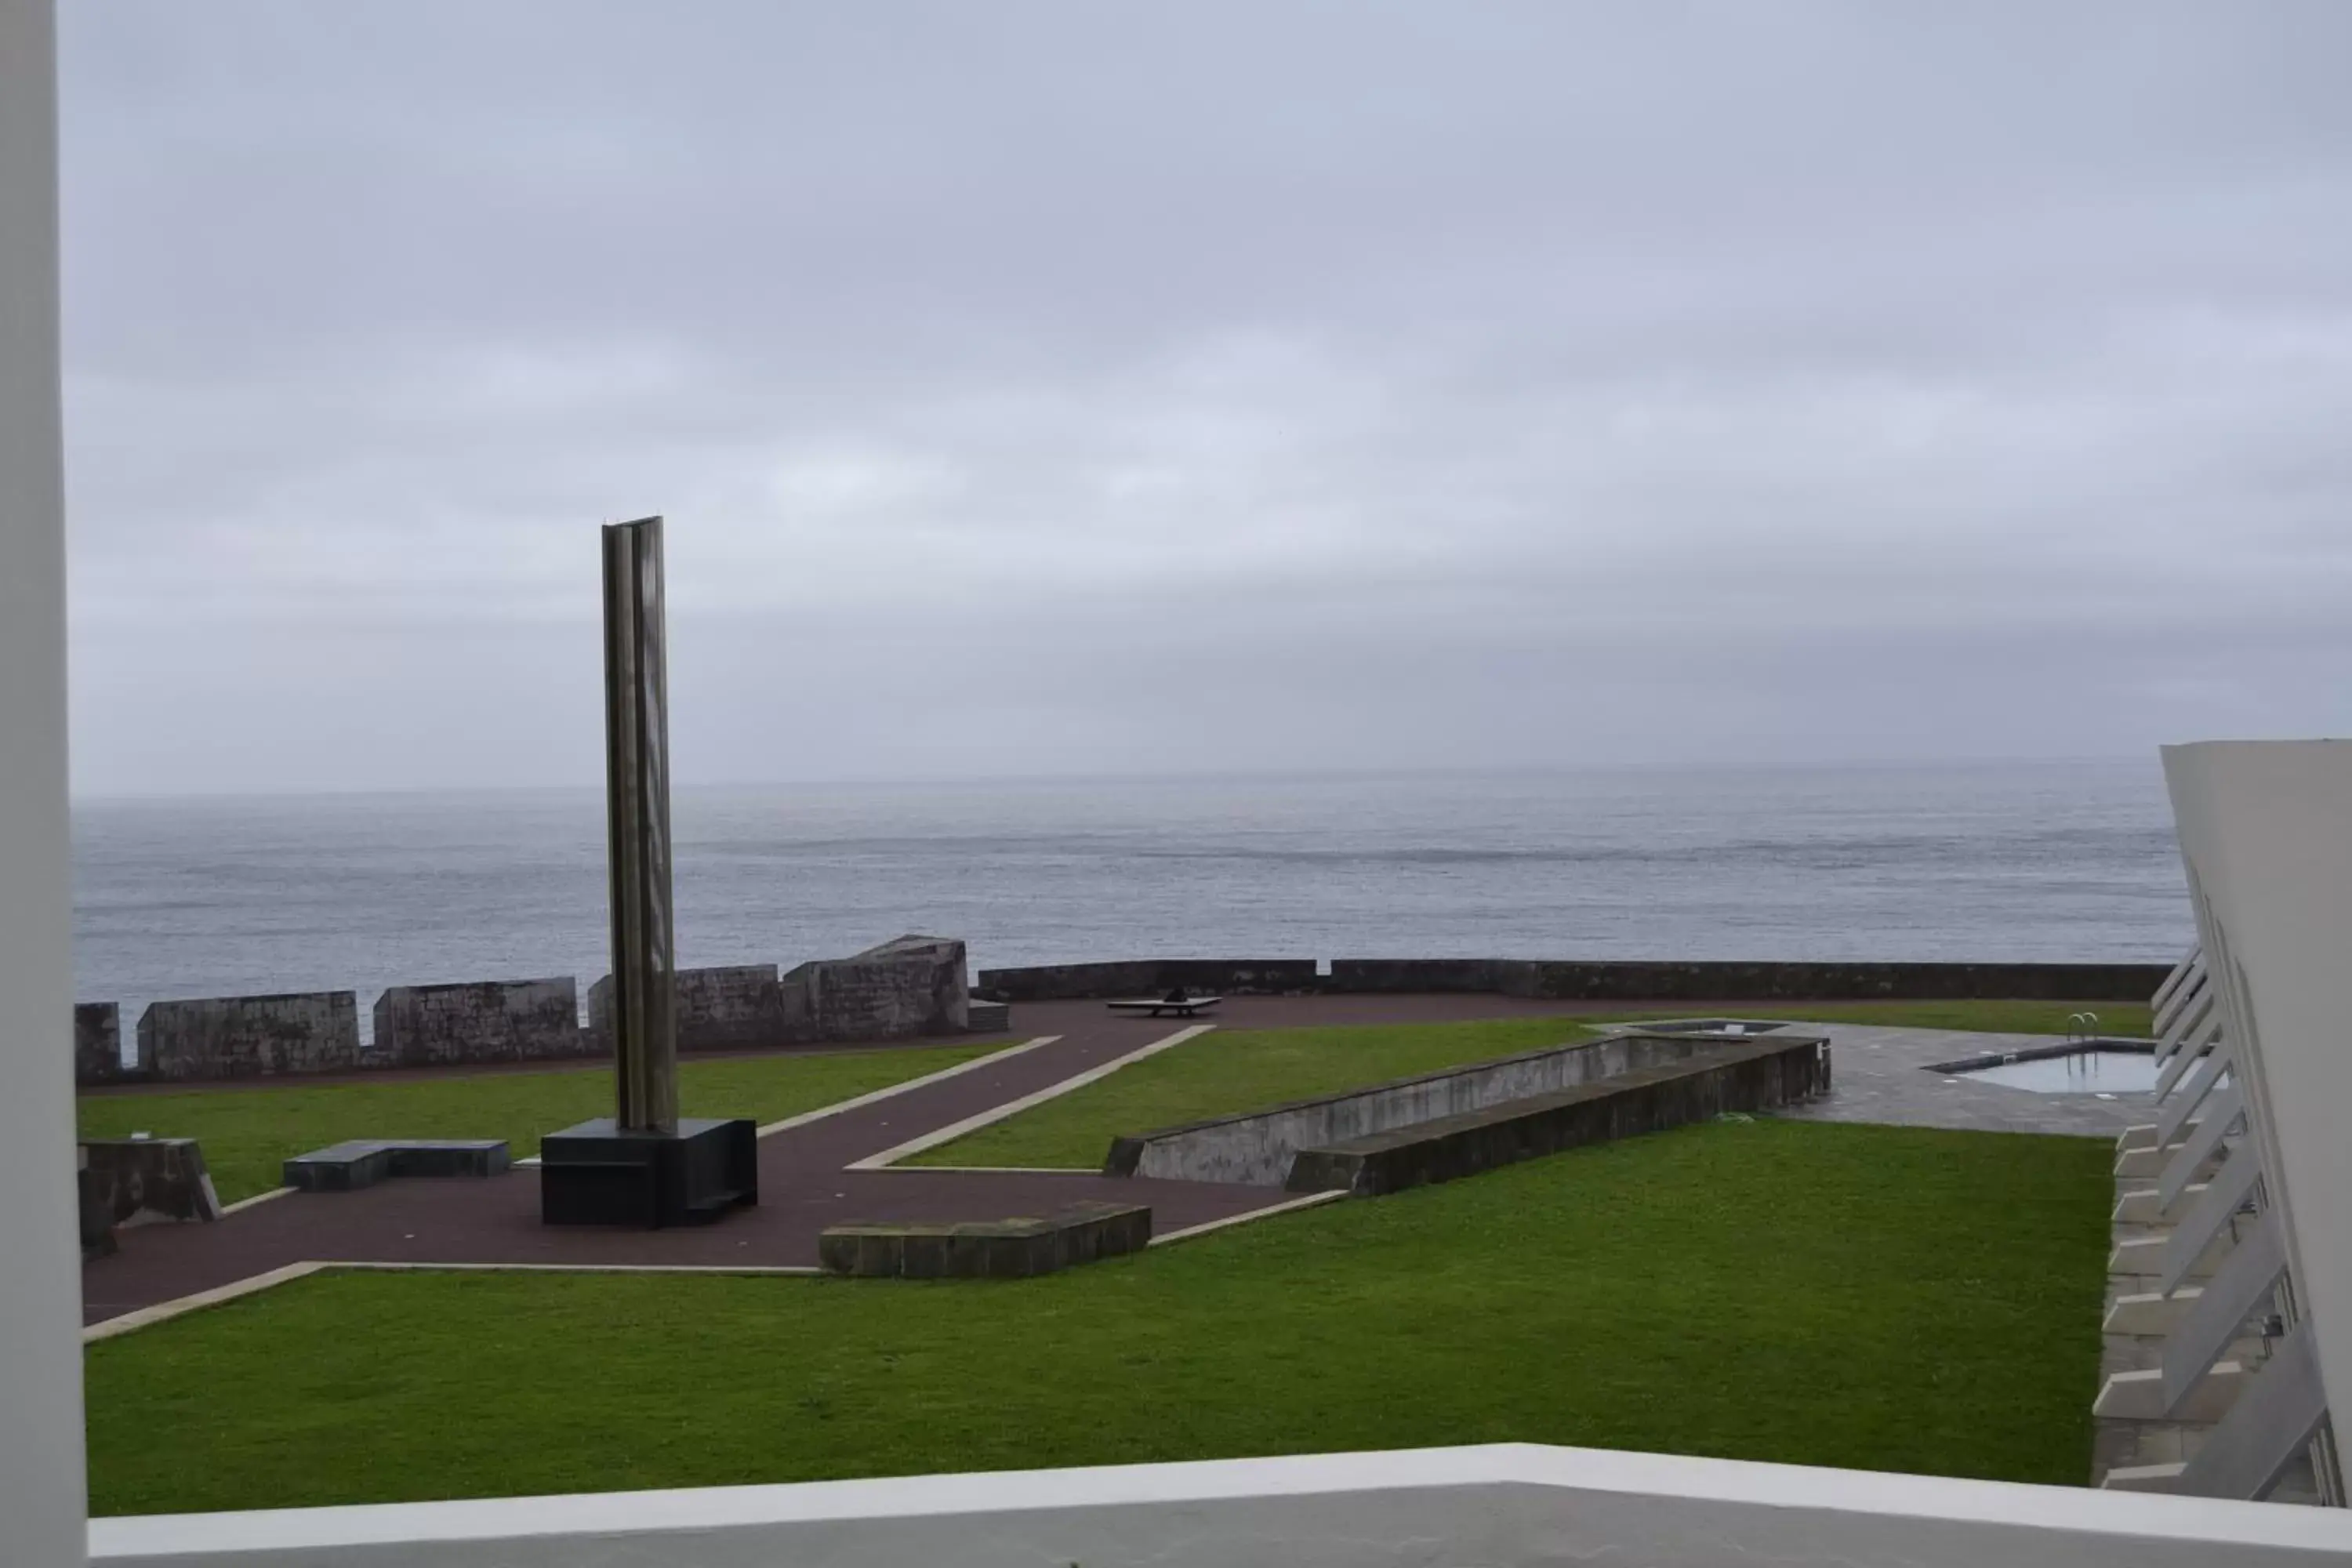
363 1161
990 1249
982 1017
1777 1070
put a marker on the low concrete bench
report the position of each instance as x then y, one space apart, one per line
987 1017
1777 1070
363 1163
988 1249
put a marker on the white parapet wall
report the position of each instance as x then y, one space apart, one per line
2265 831
1502 1504
40 1299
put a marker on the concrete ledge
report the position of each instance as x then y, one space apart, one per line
2141 1137
2146 1163
1258 1147
363 1163
2143 1257
988 1249
987 1017
2149 1312
2145 1206
2139 1396
2142 1477
1774 1071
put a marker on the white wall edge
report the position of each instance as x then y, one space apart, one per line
2122 1517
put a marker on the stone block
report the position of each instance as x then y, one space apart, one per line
94 1200
986 1250
363 1163
732 1007
988 1018
481 1021
249 1036
138 1180
98 1043
599 1173
912 986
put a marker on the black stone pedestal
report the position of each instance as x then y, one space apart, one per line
596 1174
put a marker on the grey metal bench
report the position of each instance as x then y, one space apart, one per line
1167 1006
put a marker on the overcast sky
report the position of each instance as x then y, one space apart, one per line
1084 388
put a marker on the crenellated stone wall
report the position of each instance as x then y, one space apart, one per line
909 986
1607 980
98 1043
1150 977
732 1007
1620 980
481 1021
250 1037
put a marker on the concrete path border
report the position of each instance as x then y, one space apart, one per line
1012 1108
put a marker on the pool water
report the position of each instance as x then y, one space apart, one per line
2077 1072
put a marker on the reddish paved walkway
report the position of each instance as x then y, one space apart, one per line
803 1185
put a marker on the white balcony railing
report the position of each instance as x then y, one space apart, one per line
1507 1503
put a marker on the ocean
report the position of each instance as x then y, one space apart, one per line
2009 861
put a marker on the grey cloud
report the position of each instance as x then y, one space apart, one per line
1046 371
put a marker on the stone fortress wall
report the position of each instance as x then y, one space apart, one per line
916 986
905 989
1605 980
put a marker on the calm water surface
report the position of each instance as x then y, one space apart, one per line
216 896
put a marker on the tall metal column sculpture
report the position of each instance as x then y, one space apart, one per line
644 1164
636 811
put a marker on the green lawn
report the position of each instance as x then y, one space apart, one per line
1235 1070
249 1130
1885 1297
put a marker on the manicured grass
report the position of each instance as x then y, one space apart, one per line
1235 1070
1883 1298
249 1130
